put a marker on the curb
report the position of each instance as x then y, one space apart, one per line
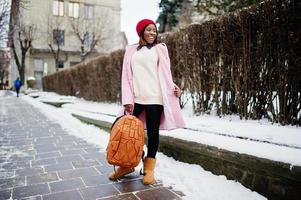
275 180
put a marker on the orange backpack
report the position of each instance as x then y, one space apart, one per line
126 142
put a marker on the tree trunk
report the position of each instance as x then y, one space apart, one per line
22 75
22 69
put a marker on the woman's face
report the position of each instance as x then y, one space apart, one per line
150 33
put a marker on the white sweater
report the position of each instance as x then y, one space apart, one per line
146 82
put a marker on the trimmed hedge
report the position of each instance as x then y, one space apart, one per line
247 63
96 80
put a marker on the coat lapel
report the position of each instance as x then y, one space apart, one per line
171 117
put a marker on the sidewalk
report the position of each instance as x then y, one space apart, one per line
38 159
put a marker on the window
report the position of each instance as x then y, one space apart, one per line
58 36
89 11
38 76
61 64
58 8
38 64
73 9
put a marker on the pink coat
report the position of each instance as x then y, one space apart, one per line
172 117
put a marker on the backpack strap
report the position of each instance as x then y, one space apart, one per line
124 114
116 121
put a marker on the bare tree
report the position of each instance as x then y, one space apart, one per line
21 36
4 64
3 74
4 20
56 37
22 42
90 33
15 7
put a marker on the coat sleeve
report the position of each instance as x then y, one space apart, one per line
126 87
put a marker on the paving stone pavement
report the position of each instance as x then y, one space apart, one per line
39 160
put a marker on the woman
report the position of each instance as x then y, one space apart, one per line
149 93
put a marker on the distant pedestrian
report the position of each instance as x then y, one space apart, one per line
149 93
17 84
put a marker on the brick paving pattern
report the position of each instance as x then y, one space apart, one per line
40 161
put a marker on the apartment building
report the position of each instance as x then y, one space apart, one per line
77 29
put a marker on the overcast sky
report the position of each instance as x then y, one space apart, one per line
135 10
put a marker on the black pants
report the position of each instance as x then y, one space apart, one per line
17 91
153 116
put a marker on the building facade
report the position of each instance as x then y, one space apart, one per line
65 32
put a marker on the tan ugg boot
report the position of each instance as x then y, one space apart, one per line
149 166
120 172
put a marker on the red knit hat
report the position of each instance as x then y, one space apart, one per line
142 24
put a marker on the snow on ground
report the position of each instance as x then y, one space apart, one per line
211 130
192 180
255 129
